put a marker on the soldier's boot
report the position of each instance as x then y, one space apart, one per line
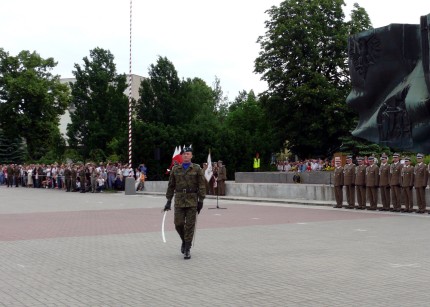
183 247
187 254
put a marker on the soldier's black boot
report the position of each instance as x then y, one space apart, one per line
183 247
187 254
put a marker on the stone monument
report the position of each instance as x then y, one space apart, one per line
390 76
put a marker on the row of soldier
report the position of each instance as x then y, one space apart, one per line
395 181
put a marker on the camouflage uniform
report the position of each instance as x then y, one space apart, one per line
188 186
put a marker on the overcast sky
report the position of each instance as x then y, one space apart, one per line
201 38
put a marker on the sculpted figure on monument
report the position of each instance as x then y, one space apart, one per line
390 75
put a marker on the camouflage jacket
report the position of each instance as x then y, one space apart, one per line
187 185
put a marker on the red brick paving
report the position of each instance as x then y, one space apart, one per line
29 226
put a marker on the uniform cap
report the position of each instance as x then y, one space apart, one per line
396 155
407 159
360 159
349 157
371 158
187 149
384 157
420 156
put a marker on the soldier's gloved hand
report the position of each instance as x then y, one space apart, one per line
168 205
199 206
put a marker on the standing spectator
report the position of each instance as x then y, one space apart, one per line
384 183
256 164
420 183
9 175
349 181
100 184
395 177
407 183
338 184
372 182
360 183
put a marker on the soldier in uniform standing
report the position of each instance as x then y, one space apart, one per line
384 183
338 185
74 174
222 177
395 176
420 183
407 182
349 181
82 178
68 178
360 183
9 173
372 182
187 184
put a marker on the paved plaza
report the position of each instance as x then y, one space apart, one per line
106 249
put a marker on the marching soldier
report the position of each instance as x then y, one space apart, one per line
384 183
407 182
338 185
372 182
420 183
395 176
187 184
360 183
349 181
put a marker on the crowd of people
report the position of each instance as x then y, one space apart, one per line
301 166
396 182
78 177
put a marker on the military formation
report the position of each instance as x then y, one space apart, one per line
394 184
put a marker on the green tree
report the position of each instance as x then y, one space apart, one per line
248 131
101 107
159 94
31 101
11 150
360 20
303 59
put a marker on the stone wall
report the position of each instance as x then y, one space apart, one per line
284 177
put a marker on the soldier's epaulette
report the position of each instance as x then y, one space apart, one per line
196 165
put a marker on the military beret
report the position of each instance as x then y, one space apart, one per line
396 155
187 149
420 156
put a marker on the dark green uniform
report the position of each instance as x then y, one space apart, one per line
68 178
188 187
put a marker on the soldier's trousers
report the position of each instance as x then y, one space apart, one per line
221 188
372 194
396 194
68 183
185 221
385 197
361 196
409 204
338 195
350 195
421 198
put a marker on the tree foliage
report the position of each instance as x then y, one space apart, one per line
303 59
31 101
101 107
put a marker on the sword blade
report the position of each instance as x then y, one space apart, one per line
162 227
